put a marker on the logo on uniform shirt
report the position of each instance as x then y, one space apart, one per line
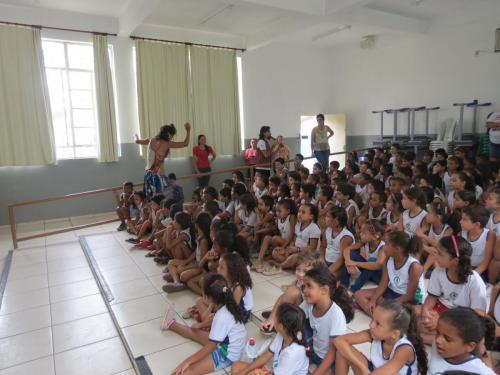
397 280
453 296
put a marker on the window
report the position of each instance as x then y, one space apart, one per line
70 77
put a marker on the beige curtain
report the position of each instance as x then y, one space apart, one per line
26 134
106 118
215 98
162 88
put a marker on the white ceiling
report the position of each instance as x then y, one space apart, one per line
258 22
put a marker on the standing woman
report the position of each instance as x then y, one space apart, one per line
202 163
264 151
250 154
155 180
320 135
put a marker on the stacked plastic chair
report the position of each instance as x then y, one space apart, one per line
445 136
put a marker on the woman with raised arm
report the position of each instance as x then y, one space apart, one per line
155 179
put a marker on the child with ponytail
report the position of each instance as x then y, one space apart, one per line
462 340
225 342
328 309
453 284
402 278
396 347
287 350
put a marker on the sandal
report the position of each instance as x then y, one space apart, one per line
144 244
173 288
132 240
272 271
168 319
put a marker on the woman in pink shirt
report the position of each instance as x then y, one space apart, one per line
202 160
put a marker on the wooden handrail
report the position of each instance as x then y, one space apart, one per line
12 206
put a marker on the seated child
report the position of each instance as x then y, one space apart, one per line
288 349
306 237
396 347
453 283
225 342
173 190
461 344
366 258
402 278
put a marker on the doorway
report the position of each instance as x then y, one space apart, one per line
337 122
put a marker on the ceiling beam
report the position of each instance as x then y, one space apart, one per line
381 19
135 14
311 7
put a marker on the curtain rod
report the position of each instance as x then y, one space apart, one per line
186 43
56 28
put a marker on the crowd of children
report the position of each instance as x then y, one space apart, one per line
384 218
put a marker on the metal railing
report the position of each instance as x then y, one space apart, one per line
114 190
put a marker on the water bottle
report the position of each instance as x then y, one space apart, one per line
251 350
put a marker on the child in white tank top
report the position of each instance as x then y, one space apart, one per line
335 239
414 214
394 207
393 330
493 205
402 277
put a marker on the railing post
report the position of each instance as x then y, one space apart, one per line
12 222
250 184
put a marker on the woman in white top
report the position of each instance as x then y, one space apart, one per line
288 349
460 343
320 135
396 347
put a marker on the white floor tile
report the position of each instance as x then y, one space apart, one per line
147 338
151 268
27 271
115 262
165 361
25 321
70 276
28 257
265 294
131 290
60 265
42 366
23 301
283 280
127 372
83 332
77 308
61 238
181 301
157 282
139 310
108 253
25 347
105 357
74 290
120 275
360 322
25 285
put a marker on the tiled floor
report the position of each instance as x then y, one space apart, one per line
53 319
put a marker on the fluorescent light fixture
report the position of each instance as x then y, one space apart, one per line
330 32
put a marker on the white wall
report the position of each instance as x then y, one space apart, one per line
282 82
436 69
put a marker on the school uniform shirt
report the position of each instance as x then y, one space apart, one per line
412 223
291 360
437 236
478 246
331 324
399 277
248 299
304 236
379 217
391 222
493 225
474 364
471 294
166 221
479 191
247 219
230 335
284 227
450 199
258 192
378 359
352 204
362 191
496 310
371 256
447 182
333 251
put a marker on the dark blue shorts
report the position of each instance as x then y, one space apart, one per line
391 294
